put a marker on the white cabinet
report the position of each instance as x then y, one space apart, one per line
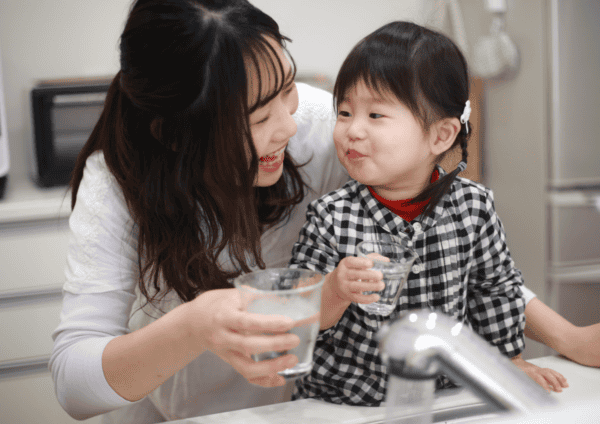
30 399
33 247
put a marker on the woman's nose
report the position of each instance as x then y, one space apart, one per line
287 125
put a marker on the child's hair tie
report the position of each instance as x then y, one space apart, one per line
464 118
461 166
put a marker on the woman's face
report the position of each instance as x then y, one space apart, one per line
272 124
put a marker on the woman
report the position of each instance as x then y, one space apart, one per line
190 177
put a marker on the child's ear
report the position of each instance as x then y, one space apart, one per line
445 132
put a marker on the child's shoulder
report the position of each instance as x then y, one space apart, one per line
346 194
472 194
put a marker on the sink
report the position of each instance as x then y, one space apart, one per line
579 403
457 405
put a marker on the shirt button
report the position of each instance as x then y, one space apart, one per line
417 227
416 269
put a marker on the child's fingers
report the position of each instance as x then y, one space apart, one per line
364 298
365 275
360 286
556 380
378 257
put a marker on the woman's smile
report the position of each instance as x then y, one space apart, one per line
273 161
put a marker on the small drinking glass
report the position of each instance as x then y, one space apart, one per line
395 271
295 293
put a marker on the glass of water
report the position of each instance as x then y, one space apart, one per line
394 259
295 293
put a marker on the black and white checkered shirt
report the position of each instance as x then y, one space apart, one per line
464 269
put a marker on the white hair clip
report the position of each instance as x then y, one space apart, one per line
464 118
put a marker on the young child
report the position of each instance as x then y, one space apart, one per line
402 103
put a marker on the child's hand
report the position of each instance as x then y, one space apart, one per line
549 379
352 277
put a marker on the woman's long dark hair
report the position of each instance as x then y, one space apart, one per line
175 134
425 70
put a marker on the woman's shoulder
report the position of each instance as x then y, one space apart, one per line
99 191
314 103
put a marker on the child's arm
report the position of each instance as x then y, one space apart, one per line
317 249
346 284
580 344
496 304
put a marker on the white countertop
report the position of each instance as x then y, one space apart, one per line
24 201
584 389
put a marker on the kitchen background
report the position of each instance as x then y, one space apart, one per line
552 230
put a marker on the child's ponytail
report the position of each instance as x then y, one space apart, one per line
437 190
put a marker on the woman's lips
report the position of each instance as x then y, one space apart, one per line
273 156
272 162
353 154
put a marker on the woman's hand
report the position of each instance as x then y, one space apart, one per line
222 327
352 277
549 379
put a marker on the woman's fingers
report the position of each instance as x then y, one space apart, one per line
252 343
262 373
243 321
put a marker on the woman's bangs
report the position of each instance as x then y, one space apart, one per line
267 71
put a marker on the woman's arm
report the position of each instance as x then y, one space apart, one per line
135 364
97 364
580 344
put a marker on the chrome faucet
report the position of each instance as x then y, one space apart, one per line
423 344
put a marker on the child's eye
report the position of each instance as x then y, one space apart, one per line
375 115
344 113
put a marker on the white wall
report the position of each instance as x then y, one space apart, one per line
42 39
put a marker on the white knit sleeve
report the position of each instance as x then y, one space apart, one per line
88 323
101 275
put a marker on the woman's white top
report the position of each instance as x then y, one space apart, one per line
101 299
528 295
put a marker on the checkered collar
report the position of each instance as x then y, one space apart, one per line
391 222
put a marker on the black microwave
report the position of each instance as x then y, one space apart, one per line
64 115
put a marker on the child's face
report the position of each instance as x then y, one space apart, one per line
382 144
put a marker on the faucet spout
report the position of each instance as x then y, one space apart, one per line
423 344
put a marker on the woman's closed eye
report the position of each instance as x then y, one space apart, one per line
261 121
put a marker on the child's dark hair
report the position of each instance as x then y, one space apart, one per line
425 70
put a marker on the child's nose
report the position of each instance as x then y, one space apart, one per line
356 130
